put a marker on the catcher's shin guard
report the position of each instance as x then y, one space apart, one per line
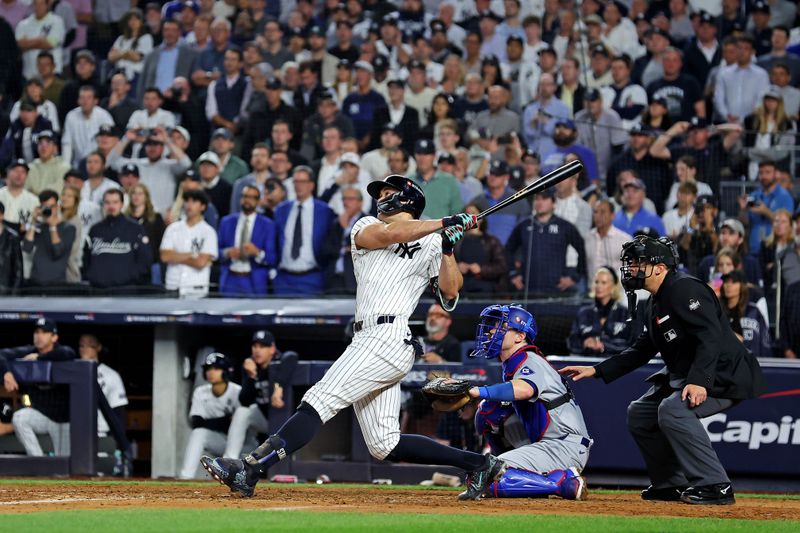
517 483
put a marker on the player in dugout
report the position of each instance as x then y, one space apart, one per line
708 370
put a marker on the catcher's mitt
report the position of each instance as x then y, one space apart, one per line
447 394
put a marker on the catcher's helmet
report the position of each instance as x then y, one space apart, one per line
218 360
409 196
495 321
648 250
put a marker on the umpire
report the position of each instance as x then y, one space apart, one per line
707 371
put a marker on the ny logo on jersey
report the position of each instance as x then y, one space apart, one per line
197 245
406 250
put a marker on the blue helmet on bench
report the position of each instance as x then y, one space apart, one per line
495 321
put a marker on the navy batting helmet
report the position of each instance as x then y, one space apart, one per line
218 360
409 196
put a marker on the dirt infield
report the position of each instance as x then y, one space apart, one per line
52 497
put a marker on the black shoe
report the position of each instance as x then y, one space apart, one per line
717 494
240 476
667 494
479 480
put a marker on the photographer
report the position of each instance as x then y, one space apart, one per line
757 210
189 110
700 238
50 240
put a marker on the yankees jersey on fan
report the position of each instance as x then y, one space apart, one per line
207 406
391 280
198 239
539 423
113 389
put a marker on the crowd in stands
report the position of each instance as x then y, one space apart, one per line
217 146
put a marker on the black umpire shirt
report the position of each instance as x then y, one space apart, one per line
686 324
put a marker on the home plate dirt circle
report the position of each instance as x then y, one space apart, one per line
287 498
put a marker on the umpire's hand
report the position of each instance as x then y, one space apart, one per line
695 394
577 373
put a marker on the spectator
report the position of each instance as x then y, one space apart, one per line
218 190
769 133
604 241
419 95
731 18
758 210
97 183
70 214
229 96
732 235
191 181
140 209
633 216
780 76
540 116
52 84
281 138
686 172
113 389
50 404
362 104
498 118
272 45
340 275
779 55
467 107
246 248
711 152
600 129
155 170
181 100
209 65
34 94
779 241
441 115
740 87
745 318
650 67
439 346
571 206
188 247
212 407
599 72
441 190
626 98
42 30
345 48
656 117
703 52
82 124
47 171
676 220
273 108
14 12
306 95
302 226
85 75
50 241
546 272
128 178
20 141
119 254
571 92
259 161
601 328
348 175
481 258
132 47
231 167
681 91
324 62
376 162
168 61
20 202
619 32
404 118
700 239
501 223
120 103
151 117
759 26
565 137
267 373
10 257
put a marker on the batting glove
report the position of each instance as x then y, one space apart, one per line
467 222
450 236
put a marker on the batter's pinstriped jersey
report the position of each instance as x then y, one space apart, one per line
391 280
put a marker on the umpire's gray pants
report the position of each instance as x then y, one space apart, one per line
28 422
246 423
673 441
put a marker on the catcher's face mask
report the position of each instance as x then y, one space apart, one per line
495 322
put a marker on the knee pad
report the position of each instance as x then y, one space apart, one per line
517 483
489 420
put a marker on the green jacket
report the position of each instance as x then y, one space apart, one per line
235 169
442 195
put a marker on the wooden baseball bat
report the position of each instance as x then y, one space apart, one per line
545 182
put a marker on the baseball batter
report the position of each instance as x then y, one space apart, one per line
550 459
395 257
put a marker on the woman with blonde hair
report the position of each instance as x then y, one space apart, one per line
773 248
769 132
454 74
140 208
601 327
70 213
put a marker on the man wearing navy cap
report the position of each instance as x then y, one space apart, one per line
361 105
565 136
703 51
501 223
759 26
266 375
633 216
48 407
442 193
47 171
325 62
599 74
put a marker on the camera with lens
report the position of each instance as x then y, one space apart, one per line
752 202
47 212
177 92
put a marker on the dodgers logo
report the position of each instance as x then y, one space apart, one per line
526 371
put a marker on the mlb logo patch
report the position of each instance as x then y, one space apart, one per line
694 305
526 371
670 335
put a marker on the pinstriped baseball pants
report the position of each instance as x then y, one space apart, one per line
28 422
367 376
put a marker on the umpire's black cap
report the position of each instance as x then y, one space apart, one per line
264 337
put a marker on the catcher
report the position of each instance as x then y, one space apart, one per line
553 447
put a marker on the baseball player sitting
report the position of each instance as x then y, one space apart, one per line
535 395
213 404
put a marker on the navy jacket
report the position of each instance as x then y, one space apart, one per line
615 334
754 331
262 237
259 390
12 144
119 253
323 218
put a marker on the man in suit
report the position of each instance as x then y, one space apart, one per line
708 370
340 275
404 118
247 248
302 226
169 60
